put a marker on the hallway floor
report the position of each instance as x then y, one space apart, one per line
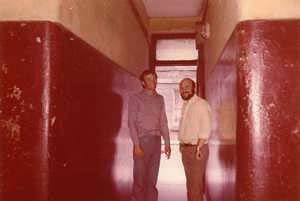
220 176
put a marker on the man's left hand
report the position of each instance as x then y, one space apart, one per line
199 153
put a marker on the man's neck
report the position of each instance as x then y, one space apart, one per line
150 92
188 100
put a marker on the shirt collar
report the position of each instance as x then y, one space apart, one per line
191 100
146 93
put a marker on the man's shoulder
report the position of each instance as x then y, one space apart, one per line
159 96
201 101
135 96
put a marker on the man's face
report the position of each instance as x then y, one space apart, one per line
150 82
186 89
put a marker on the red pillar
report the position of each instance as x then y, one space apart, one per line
268 130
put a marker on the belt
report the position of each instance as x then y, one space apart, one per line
188 145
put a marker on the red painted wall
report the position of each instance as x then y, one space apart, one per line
63 117
23 117
258 72
221 95
268 132
63 133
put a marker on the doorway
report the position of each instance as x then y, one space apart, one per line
174 57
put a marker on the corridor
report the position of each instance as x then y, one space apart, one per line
68 68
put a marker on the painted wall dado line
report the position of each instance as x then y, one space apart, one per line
223 16
109 26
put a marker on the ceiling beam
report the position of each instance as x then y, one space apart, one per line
173 25
142 17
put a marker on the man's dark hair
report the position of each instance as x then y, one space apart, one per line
147 72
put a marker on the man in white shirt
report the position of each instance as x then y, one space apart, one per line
194 132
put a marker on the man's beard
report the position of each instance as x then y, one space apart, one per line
188 97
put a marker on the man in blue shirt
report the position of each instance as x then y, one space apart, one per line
147 122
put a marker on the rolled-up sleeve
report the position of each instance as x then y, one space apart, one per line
132 118
164 124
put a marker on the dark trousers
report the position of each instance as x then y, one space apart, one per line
145 170
194 171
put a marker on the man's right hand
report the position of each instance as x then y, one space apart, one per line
138 151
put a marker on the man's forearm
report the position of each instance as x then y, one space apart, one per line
133 134
166 139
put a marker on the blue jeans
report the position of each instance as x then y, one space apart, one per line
145 170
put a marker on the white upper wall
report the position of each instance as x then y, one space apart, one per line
222 16
269 9
29 10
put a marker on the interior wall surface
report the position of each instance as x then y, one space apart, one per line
254 88
222 97
28 10
109 26
223 16
268 127
63 117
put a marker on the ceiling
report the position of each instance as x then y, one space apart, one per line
173 8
